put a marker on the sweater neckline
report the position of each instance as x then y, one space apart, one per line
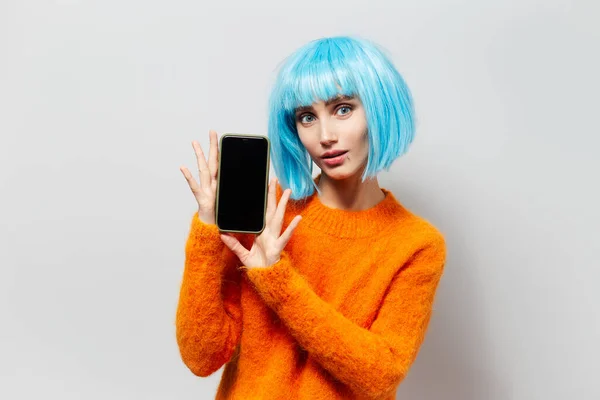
352 223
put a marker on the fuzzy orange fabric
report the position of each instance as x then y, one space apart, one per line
341 315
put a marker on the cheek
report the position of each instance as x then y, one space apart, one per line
363 144
362 138
308 145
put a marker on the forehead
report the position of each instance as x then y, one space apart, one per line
335 99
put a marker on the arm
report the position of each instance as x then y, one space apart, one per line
208 321
371 361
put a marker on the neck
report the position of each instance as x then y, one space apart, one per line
349 194
347 223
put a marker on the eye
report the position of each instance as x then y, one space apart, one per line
301 118
347 106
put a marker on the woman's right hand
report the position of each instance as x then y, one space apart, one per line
206 192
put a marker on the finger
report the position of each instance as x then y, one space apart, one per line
286 236
271 199
235 246
213 155
190 179
202 166
277 221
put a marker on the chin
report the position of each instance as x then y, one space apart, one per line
340 173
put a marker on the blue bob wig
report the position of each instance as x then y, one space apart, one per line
323 69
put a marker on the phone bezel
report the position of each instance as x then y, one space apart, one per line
239 135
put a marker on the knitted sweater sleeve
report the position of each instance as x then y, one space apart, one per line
209 317
373 361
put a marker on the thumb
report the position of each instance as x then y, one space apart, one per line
234 245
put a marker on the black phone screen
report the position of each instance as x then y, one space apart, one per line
242 183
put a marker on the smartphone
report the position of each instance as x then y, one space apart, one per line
242 183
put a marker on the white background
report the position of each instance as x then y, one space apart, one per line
99 103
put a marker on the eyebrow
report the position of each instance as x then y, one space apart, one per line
328 102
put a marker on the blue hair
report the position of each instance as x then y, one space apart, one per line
321 70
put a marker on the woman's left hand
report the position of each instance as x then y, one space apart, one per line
267 247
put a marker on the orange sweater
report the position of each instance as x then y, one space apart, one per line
341 315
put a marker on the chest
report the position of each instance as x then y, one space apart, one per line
352 275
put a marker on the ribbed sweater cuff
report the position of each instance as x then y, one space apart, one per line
204 238
277 284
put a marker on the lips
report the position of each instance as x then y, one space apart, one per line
334 161
334 154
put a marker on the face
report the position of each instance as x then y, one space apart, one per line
338 125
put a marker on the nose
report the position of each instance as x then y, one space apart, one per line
327 136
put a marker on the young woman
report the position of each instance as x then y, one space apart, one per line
336 306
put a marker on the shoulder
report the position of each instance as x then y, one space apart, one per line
294 206
421 233
429 233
